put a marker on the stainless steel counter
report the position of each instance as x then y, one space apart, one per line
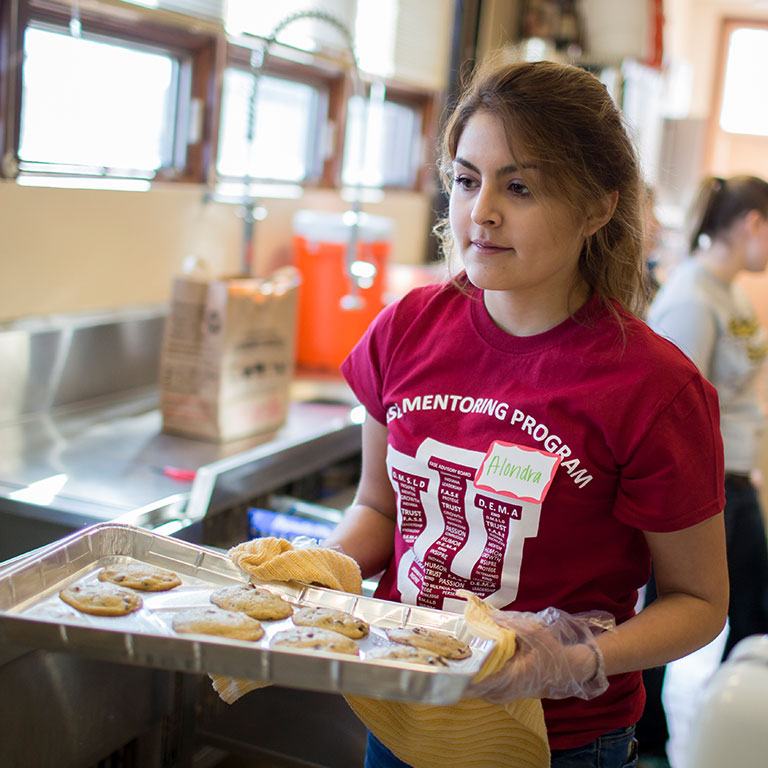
75 466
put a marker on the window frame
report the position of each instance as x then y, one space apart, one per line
335 76
12 24
428 105
201 49
210 52
330 79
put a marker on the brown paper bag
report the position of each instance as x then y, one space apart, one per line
228 355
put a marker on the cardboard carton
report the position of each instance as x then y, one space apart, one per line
228 355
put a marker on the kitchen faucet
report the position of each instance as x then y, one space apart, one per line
359 273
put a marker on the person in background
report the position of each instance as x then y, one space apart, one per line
533 357
651 238
701 309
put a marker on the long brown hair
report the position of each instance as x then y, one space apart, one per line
720 202
563 120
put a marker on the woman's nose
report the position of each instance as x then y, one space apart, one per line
485 211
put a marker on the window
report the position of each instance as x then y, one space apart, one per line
308 129
105 93
383 147
742 110
288 116
95 106
147 90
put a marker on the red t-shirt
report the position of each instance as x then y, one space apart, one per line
626 438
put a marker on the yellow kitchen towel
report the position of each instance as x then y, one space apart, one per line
471 734
230 689
272 559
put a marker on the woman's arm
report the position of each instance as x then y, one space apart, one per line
366 533
692 581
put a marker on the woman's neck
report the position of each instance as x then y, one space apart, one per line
721 260
531 314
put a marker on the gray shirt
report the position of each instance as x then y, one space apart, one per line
715 325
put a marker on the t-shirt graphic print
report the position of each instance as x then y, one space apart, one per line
457 536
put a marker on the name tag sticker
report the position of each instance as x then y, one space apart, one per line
517 471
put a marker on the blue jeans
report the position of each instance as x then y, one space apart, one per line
617 749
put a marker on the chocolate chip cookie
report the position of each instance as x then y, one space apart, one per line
255 602
328 618
215 621
101 599
433 640
147 578
315 639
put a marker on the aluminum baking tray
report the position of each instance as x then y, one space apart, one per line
32 615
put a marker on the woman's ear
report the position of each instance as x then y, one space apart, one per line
752 220
600 213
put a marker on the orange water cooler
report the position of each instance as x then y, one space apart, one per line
333 314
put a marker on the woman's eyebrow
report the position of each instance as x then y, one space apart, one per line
512 168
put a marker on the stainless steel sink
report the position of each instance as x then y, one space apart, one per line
328 390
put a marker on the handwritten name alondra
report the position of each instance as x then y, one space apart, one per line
485 407
505 468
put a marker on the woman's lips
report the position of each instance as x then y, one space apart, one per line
485 246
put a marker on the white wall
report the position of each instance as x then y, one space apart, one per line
67 250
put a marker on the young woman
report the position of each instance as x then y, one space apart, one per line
528 438
711 320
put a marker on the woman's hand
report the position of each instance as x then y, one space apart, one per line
556 657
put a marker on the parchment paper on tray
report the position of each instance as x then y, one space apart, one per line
33 615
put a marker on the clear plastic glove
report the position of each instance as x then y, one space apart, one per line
305 542
556 657
310 542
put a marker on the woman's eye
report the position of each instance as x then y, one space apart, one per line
464 182
518 188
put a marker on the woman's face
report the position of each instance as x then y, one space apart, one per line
509 239
756 250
